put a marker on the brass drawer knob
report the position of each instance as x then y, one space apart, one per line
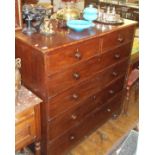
114 73
111 92
75 96
109 110
74 117
120 38
76 76
72 137
117 56
78 54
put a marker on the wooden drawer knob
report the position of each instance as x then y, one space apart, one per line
76 76
75 96
117 56
114 116
78 54
111 92
72 137
94 97
74 117
109 110
114 74
120 38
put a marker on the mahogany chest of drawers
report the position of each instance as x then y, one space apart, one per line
79 76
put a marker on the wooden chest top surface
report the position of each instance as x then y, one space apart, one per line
65 37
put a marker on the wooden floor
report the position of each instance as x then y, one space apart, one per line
106 138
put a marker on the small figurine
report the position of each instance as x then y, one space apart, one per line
47 28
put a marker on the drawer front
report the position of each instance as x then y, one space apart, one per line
75 95
74 115
24 115
86 126
25 132
67 56
117 38
74 75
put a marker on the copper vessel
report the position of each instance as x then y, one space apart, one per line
69 12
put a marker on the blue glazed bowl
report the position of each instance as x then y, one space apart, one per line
79 25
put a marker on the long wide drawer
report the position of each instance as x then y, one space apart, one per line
75 95
86 126
71 117
117 38
64 57
78 73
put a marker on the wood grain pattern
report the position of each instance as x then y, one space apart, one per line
83 71
85 89
74 115
72 137
70 55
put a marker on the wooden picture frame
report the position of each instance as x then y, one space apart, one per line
18 15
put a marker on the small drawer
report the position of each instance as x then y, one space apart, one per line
85 127
117 38
75 95
25 132
64 57
24 115
74 115
78 73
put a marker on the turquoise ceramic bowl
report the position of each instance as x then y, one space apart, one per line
79 25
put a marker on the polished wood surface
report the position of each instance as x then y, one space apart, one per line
70 55
68 37
81 87
28 129
74 115
86 126
107 137
85 89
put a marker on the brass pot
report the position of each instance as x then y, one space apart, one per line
69 12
